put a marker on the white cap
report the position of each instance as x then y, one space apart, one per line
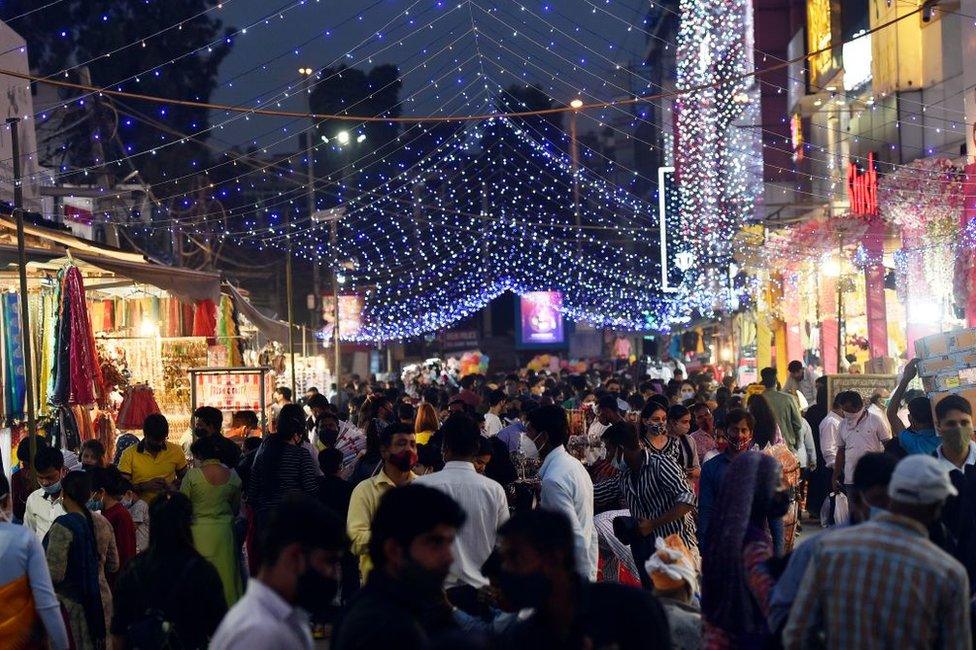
920 479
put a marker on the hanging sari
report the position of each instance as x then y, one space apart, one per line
72 558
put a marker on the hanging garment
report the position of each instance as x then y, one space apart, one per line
64 432
137 404
60 383
205 319
85 370
15 384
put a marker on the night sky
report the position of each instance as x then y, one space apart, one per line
569 47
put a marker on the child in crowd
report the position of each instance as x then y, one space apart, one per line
92 454
139 511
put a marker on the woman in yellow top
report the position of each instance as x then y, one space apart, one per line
426 423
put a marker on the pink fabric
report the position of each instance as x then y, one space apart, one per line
85 371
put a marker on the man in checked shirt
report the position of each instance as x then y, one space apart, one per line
883 584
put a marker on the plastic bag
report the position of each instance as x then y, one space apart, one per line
835 510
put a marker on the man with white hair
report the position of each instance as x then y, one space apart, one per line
883 583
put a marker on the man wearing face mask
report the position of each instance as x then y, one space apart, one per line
403 603
566 485
739 425
44 503
954 417
298 577
538 572
398 449
861 432
207 422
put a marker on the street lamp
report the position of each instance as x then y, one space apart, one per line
308 74
343 137
576 105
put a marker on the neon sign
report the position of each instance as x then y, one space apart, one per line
862 188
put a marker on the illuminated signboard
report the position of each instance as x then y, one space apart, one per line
820 38
862 188
796 136
541 318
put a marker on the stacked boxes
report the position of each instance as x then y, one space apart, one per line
947 364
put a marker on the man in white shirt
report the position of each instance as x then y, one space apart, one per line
485 507
298 577
566 485
44 503
860 433
607 414
829 429
493 420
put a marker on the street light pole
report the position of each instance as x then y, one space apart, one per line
308 73
576 104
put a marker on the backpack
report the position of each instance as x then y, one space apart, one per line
153 631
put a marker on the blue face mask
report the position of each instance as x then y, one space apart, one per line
53 488
94 504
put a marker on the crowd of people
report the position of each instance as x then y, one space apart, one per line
515 511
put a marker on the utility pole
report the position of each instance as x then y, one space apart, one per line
25 336
308 73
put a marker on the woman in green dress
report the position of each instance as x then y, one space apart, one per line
215 491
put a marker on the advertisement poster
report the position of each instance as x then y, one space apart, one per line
541 318
350 315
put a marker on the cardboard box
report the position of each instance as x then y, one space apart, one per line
968 392
962 341
935 345
934 365
963 359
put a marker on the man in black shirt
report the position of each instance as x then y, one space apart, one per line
538 571
403 605
207 421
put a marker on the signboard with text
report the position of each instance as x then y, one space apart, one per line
229 389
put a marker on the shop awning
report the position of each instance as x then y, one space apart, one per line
44 244
274 330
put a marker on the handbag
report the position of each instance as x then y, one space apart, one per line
153 631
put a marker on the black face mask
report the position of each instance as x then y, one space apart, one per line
315 592
779 504
422 580
524 590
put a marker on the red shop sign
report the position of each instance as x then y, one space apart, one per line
862 188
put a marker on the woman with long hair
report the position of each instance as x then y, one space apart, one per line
736 586
170 577
30 606
768 440
426 423
665 431
72 558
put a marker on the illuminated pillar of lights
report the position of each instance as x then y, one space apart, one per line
718 178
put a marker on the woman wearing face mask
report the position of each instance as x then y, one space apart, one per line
666 432
687 392
30 606
736 585
280 466
186 588
72 558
